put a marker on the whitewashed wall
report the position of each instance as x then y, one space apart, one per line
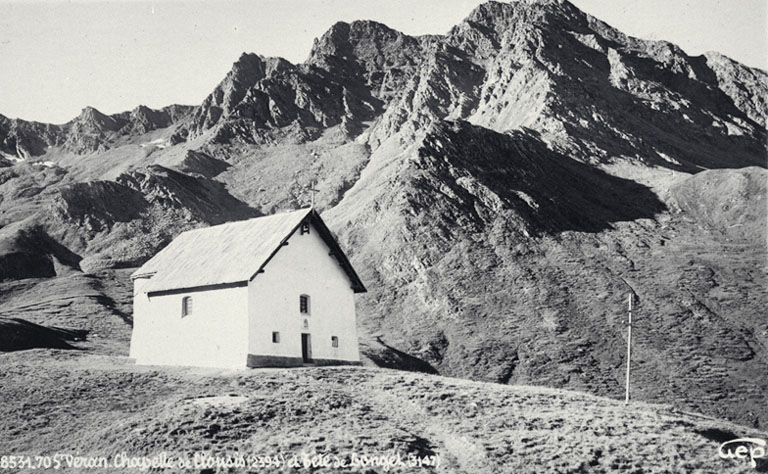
213 335
303 267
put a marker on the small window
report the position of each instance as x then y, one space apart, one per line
304 304
275 337
334 341
305 228
186 306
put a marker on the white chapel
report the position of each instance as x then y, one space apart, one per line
274 291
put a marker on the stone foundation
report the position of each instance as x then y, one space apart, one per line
282 361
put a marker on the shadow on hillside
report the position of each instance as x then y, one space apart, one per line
111 305
685 132
107 301
516 173
207 200
29 252
716 434
388 357
18 334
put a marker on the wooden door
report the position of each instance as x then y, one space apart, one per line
306 348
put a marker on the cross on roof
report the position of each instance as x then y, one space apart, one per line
312 185
312 192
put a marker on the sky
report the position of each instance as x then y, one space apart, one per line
57 57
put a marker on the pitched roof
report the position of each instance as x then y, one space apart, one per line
232 253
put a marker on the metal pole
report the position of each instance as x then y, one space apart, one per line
629 348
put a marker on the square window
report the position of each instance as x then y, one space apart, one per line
305 228
275 337
334 341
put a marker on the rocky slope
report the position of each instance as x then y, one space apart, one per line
503 279
501 188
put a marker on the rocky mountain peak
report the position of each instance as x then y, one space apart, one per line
247 68
343 38
371 52
90 130
143 119
141 111
92 120
501 16
245 73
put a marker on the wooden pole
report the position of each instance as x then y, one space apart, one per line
629 349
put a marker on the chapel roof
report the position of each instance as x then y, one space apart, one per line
234 252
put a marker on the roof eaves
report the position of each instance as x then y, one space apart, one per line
338 253
198 288
330 240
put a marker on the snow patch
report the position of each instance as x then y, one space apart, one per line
589 40
10 157
159 143
667 158
528 200
737 127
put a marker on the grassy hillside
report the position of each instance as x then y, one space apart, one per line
71 402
